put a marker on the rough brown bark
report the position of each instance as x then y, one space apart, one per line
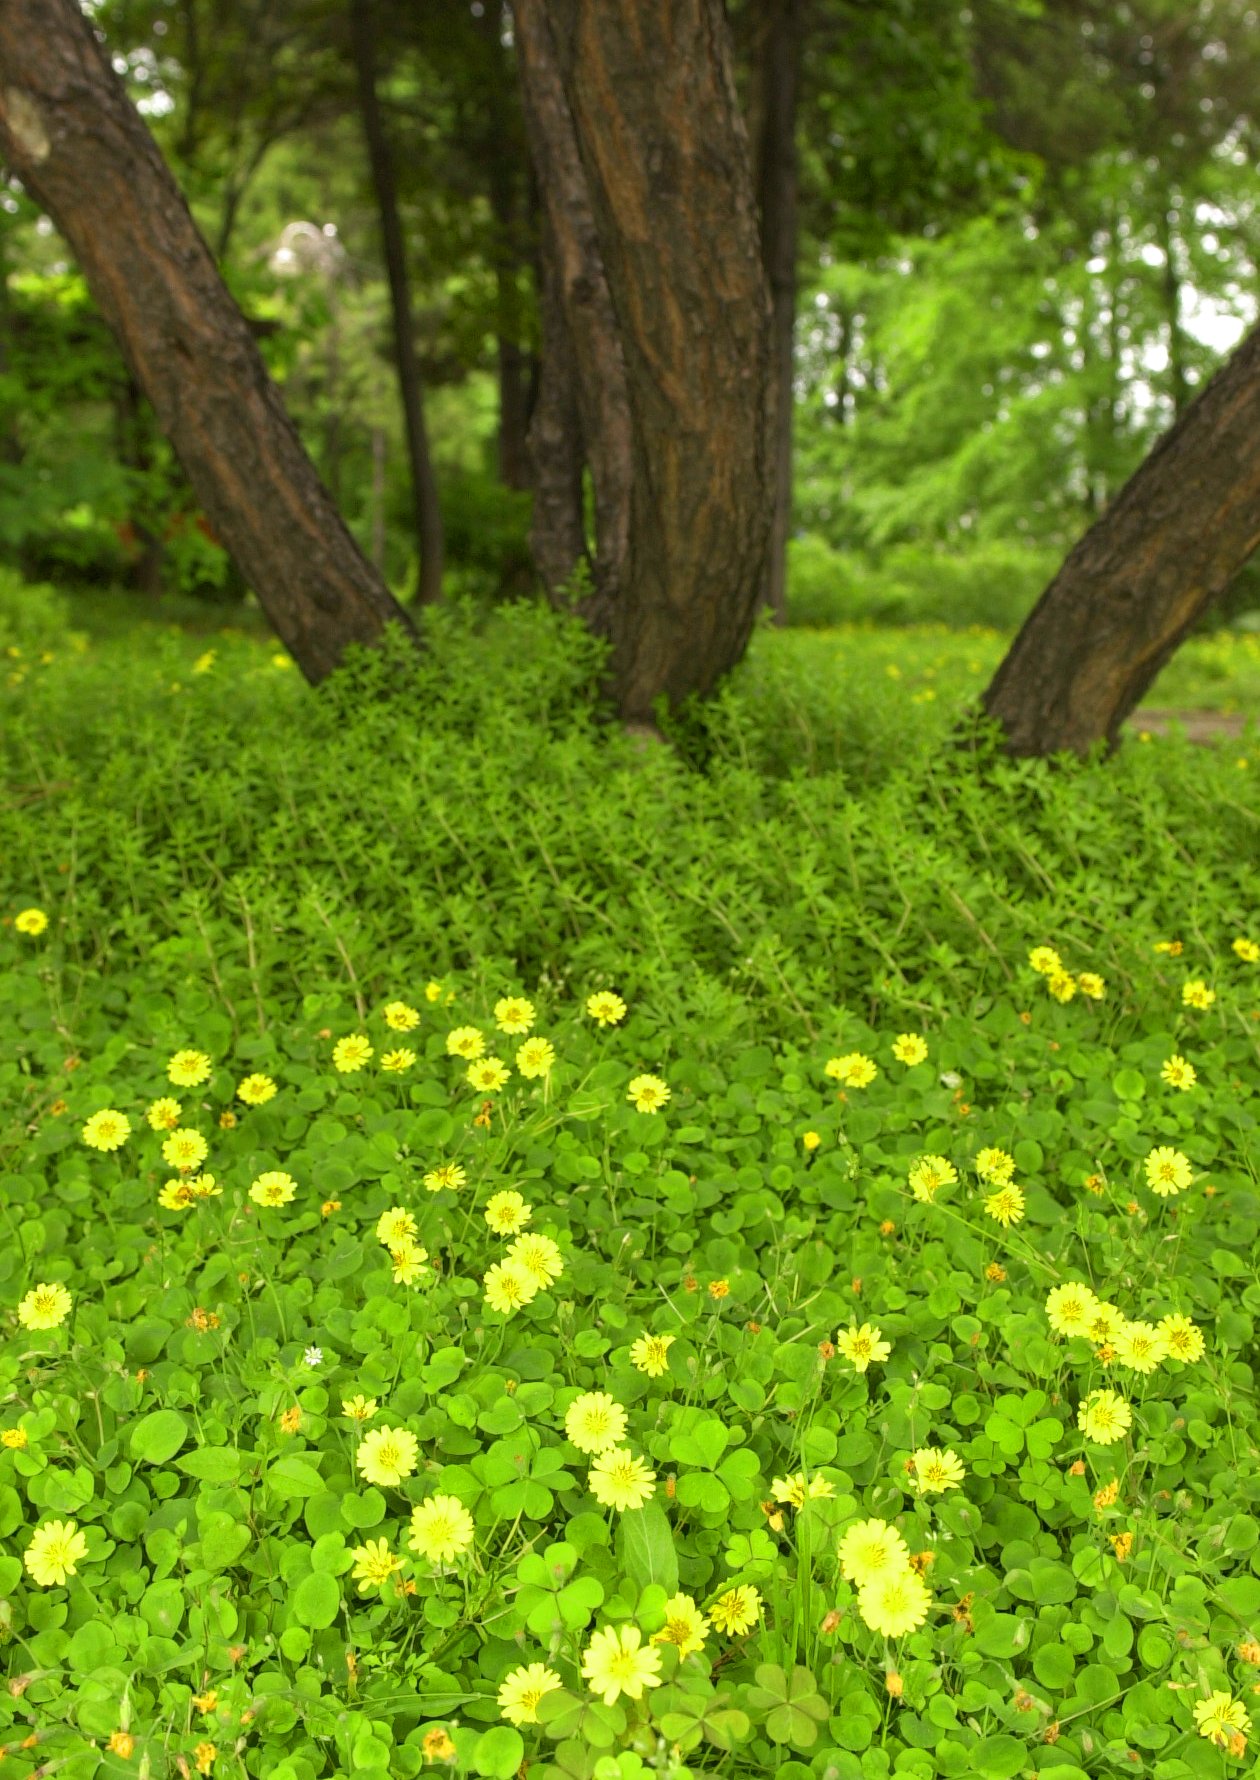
1135 584
557 526
69 132
424 493
645 172
778 75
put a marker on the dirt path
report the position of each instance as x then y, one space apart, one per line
1199 726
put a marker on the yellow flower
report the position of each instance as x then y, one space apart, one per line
812 1141
594 1422
619 1480
466 1042
616 1662
535 1057
1091 986
1220 1718
684 1626
54 1553
204 1186
1248 950
488 1075
374 1563
650 1354
737 1611
441 1529
1196 993
872 1549
275 1187
1071 1309
177 1195
185 1150
121 1743
395 1062
206 1702
256 1090
395 1226
164 1114
1178 1073
605 1008
188 1069
407 1260
1173 947
387 1455
1104 1417
1006 1206
929 1175
399 1017
508 1287
1106 1322
433 991
447 1176
853 1070
1062 985
910 1049
352 1054
15 1439
31 922
796 1490
894 1604
1168 1172
44 1307
507 1212
1139 1347
1183 1340
647 1093
1045 960
514 1015
521 1689
936 1471
328 1207
538 1257
358 1408
204 1756
862 1346
995 1167
107 1130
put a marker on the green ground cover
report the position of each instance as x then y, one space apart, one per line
809 878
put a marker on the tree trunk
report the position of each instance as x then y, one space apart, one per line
558 523
1170 286
645 173
428 514
70 134
1132 588
779 73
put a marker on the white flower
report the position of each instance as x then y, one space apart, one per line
950 1078
314 1356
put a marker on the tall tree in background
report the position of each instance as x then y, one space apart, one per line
1132 589
658 326
69 132
428 513
777 56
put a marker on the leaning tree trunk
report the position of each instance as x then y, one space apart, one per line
778 74
70 134
1170 543
424 495
645 173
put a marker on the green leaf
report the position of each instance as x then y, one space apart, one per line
499 1752
645 1545
294 1478
159 1436
316 1600
211 1464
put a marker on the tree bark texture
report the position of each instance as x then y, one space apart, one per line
645 173
778 77
1133 587
424 493
70 134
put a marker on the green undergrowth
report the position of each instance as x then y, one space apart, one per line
231 864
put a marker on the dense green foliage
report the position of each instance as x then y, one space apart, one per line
231 864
